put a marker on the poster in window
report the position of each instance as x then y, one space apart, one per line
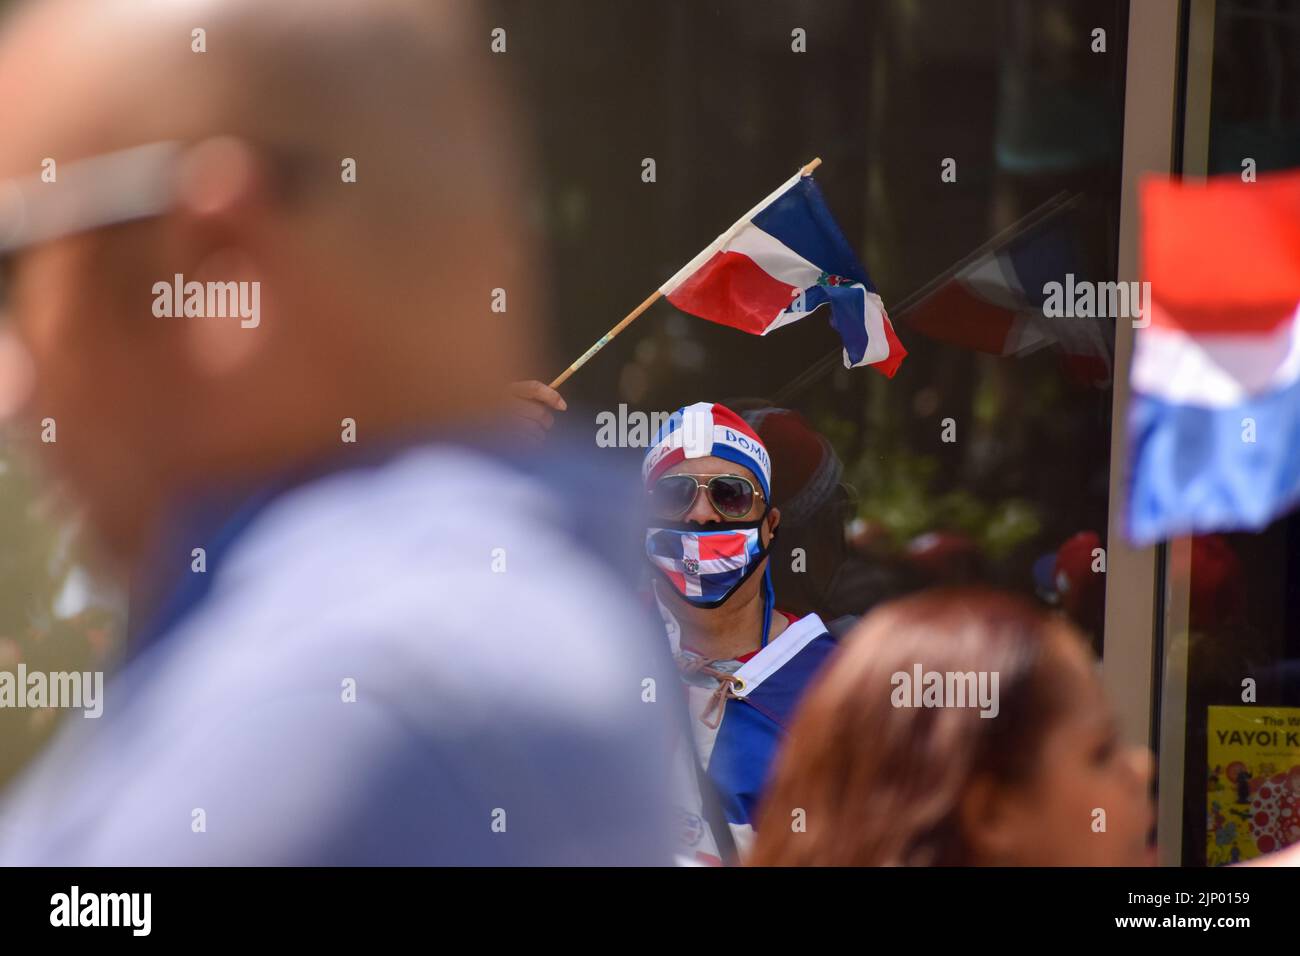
1253 785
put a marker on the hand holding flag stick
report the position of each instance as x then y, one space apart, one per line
773 266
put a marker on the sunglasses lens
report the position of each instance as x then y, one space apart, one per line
672 495
732 497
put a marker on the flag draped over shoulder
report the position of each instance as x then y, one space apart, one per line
1215 420
780 262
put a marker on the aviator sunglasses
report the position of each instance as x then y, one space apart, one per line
111 189
730 495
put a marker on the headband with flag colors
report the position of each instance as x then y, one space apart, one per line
704 429
781 261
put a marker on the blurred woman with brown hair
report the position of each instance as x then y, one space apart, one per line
958 728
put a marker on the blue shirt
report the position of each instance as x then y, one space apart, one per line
418 661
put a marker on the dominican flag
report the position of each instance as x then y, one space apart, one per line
705 565
997 301
781 261
1215 418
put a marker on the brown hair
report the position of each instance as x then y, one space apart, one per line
879 784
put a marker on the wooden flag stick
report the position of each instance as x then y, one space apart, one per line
627 320
601 342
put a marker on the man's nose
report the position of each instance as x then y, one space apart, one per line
701 511
17 376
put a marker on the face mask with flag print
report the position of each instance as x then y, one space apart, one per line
706 567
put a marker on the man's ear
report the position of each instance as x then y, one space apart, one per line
222 181
988 813
773 519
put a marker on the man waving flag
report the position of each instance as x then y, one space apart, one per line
781 261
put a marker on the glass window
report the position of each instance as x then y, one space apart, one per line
1241 788
987 457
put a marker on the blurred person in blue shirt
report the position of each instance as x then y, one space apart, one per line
254 303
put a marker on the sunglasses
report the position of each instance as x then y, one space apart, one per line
730 495
90 193
106 190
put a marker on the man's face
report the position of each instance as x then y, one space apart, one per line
98 371
87 382
703 512
149 409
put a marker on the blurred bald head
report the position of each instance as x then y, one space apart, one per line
375 295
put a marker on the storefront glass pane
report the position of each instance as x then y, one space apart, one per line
1241 793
